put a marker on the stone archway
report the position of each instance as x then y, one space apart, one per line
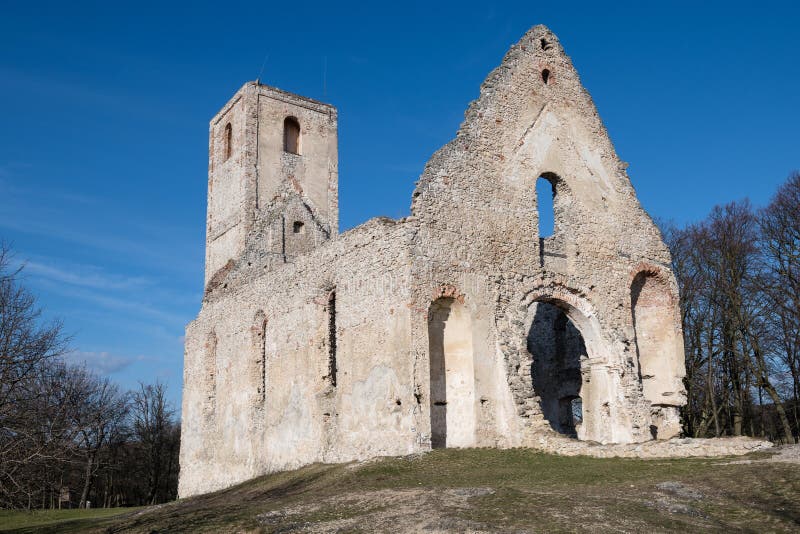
659 348
606 415
452 374
558 352
576 373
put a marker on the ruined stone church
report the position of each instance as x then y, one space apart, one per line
460 325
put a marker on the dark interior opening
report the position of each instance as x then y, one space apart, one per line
557 347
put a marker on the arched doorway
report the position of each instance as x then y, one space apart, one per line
558 351
452 375
573 374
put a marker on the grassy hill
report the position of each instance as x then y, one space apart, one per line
483 490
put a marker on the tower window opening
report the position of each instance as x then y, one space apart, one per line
546 76
298 227
228 145
291 135
332 369
545 44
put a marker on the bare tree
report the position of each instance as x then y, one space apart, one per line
99 414
736 272
154 427
26 341
698 320
780 229
63 427
33 423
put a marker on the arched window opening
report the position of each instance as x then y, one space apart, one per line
558 350
452 375
228 141
545 202
291 135
546 76
332 366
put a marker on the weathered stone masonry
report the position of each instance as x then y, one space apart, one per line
454 327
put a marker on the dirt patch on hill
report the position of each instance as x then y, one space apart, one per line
489 490
783 453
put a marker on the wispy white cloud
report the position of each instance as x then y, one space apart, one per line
102 362
124 303
86 276
49 212
141 250
12 173
75 92
110 96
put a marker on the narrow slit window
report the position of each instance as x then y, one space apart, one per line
262 393
545 200
210 373
291 135
228 142
332 368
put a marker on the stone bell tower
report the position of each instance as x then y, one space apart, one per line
272 179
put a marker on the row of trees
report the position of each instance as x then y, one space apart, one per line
739 277
67 435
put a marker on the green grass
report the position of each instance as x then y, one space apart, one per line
480 489
11 520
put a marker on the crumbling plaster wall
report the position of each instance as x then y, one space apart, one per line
472 237
228 179
517 130
302 417
379 405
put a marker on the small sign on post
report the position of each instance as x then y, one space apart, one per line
63 497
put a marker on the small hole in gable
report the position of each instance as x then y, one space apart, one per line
545 44
298 227
546 76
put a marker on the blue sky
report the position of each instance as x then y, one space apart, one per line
103 149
